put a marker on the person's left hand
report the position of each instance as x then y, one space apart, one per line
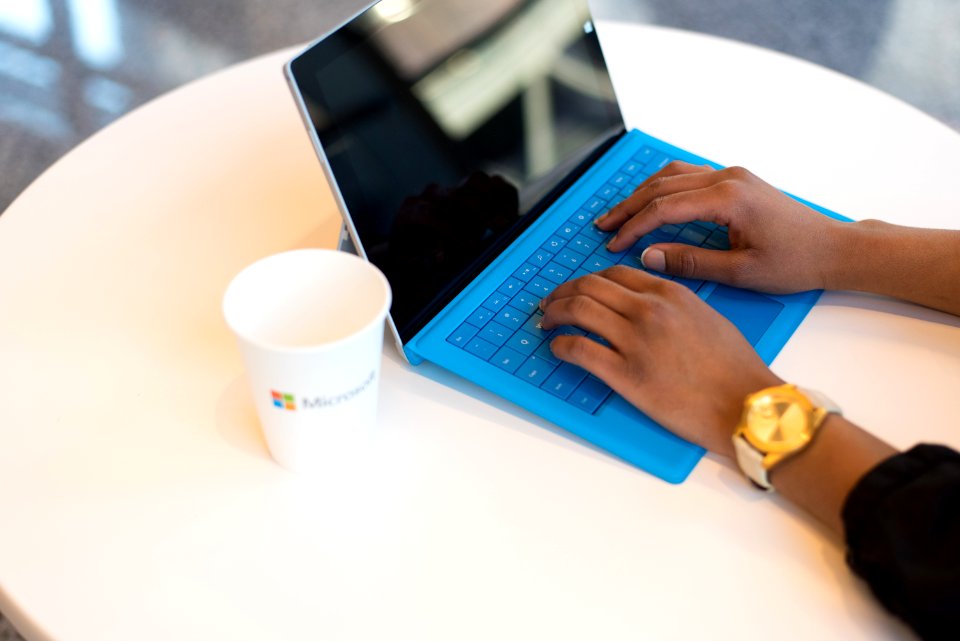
669 353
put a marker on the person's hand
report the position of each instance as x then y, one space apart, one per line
667 352
777 244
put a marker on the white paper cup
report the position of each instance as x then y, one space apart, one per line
309 324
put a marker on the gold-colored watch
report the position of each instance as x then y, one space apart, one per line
777 422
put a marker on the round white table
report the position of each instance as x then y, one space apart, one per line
138 500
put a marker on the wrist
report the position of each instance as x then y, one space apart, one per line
860 255
843 257
820 478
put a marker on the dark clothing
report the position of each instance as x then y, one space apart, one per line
902 523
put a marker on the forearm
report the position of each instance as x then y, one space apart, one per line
819 478
917 265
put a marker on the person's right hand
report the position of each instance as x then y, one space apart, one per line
777 244
664 350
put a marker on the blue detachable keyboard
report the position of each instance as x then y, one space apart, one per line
505 329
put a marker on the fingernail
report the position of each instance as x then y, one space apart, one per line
612 241
602 218
540 304
654 259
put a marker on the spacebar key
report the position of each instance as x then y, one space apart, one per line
563 381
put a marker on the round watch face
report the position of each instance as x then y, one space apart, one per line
777 423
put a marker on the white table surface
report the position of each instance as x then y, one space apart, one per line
138 501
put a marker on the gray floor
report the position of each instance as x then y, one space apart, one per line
69 67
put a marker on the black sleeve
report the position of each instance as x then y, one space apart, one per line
902 523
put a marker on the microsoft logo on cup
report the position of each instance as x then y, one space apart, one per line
283 401
288 402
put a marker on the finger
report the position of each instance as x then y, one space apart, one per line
686 261
585 312
612 304
706 204
667 180
607 291
634 280
599 360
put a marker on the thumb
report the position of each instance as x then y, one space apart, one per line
686 261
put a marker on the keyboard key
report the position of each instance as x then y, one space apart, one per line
525 302
590 394
564 380
567 330
595 233
544 353
661 235
554 244
583 244
692 235
540 286
657 162
596 264
508 359
568 231
495 333
540 258
480 317
535 370
556 272
620 180
633 168
614 257
531 326
582 217
511 318
462 335
526 272
595 206
496 301
718 239
671 229
644 155
649 239
631 257
607 192
524 342
570 258
511 287
481 348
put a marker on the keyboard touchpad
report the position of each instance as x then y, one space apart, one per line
751 312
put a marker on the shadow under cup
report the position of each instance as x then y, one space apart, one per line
309 324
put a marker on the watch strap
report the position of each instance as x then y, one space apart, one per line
750 460
821 400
